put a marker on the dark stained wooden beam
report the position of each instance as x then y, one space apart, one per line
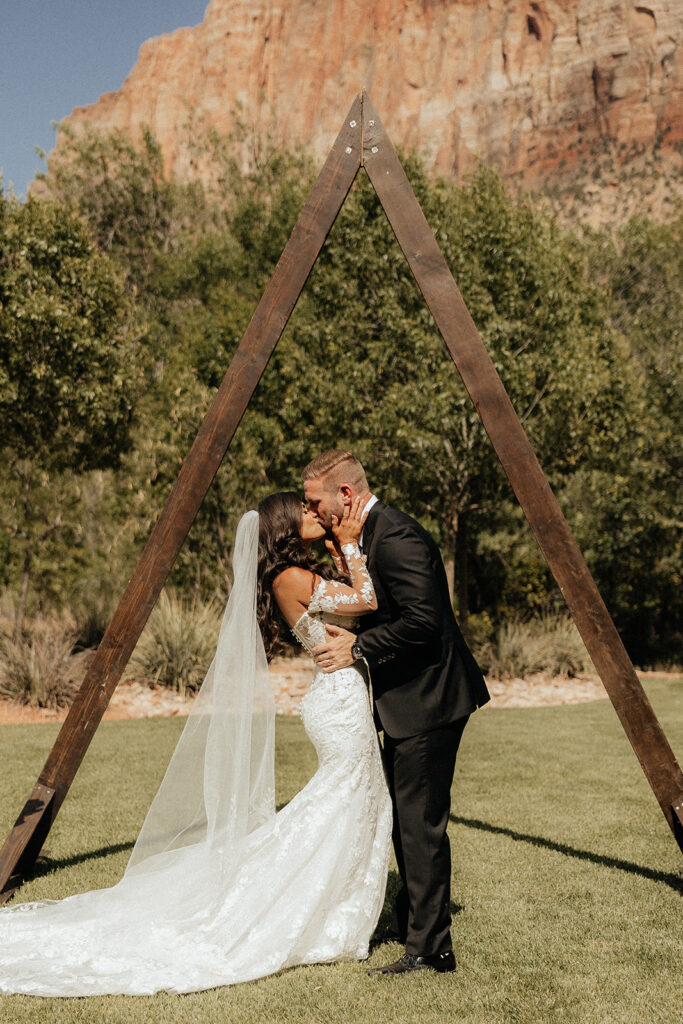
522 467
215 434
29 833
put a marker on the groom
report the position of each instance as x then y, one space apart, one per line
425 685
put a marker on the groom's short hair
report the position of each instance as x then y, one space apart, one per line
336 467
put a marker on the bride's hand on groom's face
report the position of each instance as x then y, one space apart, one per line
348 529
335 653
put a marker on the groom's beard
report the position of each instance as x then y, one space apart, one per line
326 519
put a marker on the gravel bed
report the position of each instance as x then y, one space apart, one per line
291 678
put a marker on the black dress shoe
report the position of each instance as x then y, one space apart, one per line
443 963
386 935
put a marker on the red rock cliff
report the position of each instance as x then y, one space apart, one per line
524 84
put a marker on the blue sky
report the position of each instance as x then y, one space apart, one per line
59 54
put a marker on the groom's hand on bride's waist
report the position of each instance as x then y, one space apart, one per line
335 653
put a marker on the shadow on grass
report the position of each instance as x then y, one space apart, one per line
668 878
45 864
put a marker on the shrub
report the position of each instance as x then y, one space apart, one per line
178 643
40 669
549 643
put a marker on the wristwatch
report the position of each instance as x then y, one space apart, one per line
356 652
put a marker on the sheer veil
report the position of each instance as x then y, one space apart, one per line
219 785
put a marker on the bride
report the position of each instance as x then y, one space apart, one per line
219 888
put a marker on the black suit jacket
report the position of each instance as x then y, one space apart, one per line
423 673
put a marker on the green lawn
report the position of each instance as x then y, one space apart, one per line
566 884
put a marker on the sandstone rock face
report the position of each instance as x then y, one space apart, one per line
526 84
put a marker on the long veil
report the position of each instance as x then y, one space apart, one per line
218 890
220 784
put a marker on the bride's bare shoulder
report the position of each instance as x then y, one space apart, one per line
292 590
294 582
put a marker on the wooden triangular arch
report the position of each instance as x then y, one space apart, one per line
362 142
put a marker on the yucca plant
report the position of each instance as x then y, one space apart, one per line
40 669
549 644
177 644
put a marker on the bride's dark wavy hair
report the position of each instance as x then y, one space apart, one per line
279 547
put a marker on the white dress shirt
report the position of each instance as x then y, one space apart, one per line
366 508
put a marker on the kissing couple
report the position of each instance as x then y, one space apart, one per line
220 888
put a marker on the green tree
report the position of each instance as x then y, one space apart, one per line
632 518
68 340
361 363
120 190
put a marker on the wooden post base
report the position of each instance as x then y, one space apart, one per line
23 845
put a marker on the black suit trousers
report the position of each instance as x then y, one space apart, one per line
420 774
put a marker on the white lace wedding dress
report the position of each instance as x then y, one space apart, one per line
306 886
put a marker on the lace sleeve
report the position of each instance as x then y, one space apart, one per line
340 599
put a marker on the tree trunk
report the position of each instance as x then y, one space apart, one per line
21 607
461 551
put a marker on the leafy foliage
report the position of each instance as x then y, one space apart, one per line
583 329
631 517
68 372
119 190
67 349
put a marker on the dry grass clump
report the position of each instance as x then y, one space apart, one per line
40 668
550 644
178 643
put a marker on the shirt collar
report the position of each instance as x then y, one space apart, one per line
372 500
